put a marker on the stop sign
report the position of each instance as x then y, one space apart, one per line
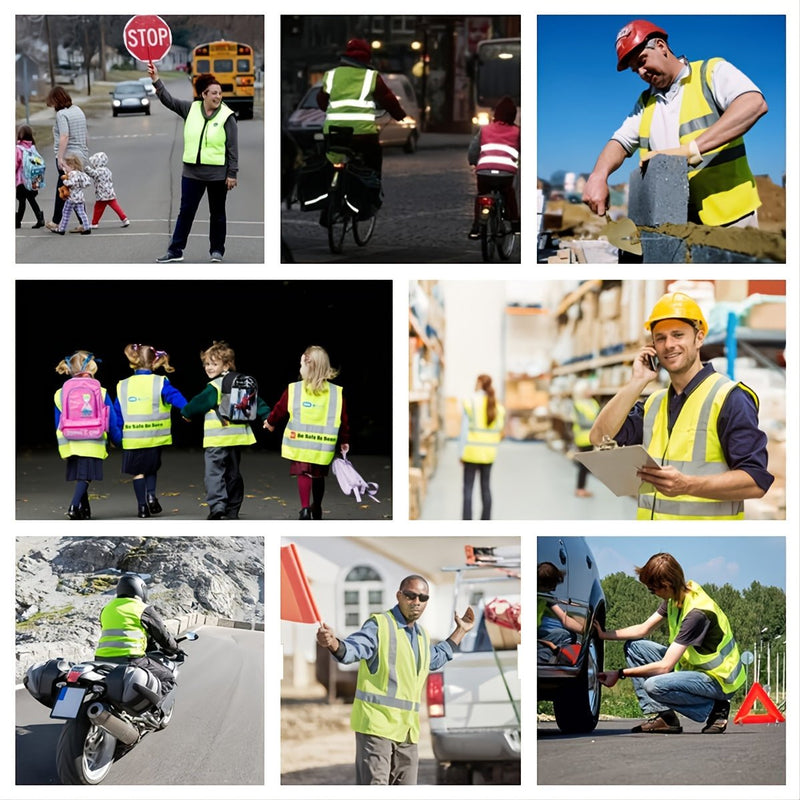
147 37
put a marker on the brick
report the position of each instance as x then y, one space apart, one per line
660 192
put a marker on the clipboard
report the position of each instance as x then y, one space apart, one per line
616 467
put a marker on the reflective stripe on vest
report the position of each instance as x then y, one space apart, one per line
145 415
88 448
387 702
724 664
585 412
693 448
482 438
351 101
313 427
215 434
499 147
122 634
204 139
722 188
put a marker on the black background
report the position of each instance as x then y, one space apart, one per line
268 324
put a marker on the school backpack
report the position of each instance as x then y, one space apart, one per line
84 414
32 169
238 398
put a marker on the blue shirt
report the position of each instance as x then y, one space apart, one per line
743 443
363 644
169 394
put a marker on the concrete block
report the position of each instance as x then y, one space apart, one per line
658 248
659 193
702 254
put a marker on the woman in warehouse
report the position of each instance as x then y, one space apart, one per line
481 431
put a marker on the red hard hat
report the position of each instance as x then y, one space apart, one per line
633 35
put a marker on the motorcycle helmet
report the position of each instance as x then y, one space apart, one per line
132 586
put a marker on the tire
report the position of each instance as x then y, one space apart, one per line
456 774
114 112
337 228
85 753
363 230
577 706
505 239
147 112
411 143
167 717
488 232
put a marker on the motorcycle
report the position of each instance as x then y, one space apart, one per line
108 709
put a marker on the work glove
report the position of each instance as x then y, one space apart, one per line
690 151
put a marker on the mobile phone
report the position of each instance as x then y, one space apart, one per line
653 361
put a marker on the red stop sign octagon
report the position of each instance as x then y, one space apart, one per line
147 37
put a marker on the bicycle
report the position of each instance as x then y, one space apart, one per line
496 229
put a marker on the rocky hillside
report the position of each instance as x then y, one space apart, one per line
62 583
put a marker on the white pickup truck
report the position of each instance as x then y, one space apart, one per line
474 703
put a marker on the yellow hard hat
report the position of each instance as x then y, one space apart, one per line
677 305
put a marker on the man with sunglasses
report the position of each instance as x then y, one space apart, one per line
700 110
395 656
697 673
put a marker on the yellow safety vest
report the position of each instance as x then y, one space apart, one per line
351 100
90 448
724 664
215 434
722 188
145 415
584 413
693 448
204 138
313 427
387 702
122 633
482 438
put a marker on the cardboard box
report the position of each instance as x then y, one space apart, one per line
767 316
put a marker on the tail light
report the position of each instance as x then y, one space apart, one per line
74 675
485 203
435 694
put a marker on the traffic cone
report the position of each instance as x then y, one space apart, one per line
757 693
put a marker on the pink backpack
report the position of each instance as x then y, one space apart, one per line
351 482
84 414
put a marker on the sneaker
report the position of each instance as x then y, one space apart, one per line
123 224
169 256
216 257
663 722
717 721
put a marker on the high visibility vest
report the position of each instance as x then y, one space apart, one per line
387 703
724 664
482 438
313 427
90 448
499 147
122 634
203 138
722 188
215 434
584 413
351 99
145 415
693 448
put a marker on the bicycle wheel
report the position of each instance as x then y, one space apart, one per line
337 228
505 238
363 230
488 234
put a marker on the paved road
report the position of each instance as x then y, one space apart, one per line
145 158
746 754
425 217
215 737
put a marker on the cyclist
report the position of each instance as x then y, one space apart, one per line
349 96
494 152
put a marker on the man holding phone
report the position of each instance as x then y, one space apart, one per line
702 429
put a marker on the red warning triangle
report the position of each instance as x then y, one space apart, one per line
757 693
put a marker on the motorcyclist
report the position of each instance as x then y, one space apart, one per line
130 628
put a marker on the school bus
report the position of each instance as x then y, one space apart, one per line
232 64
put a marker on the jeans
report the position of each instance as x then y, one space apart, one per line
224 482
191 194
384 762
690 692
486 495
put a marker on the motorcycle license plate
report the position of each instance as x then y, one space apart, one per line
68 702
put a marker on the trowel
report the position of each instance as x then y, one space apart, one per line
623 234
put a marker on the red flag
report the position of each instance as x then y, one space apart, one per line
297 602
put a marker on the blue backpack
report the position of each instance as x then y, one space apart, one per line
32 169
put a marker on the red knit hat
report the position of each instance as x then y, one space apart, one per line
505 110
358 49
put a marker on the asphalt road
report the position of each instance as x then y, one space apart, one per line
145 158
611 755
425 216
216 735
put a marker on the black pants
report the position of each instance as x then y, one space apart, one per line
164 674
470 471
26 196
505 184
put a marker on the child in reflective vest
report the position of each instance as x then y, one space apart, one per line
316 423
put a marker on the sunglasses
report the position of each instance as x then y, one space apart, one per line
423 598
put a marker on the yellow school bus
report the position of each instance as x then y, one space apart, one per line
232 64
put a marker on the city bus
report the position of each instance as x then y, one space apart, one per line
232 64
497 73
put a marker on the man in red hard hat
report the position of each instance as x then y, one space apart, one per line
702 429
700 110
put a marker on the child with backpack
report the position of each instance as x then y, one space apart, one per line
143 405
85 419
317 422
97 169
228 404
74 182
29 176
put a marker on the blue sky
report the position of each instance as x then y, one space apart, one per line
582 99
738 560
